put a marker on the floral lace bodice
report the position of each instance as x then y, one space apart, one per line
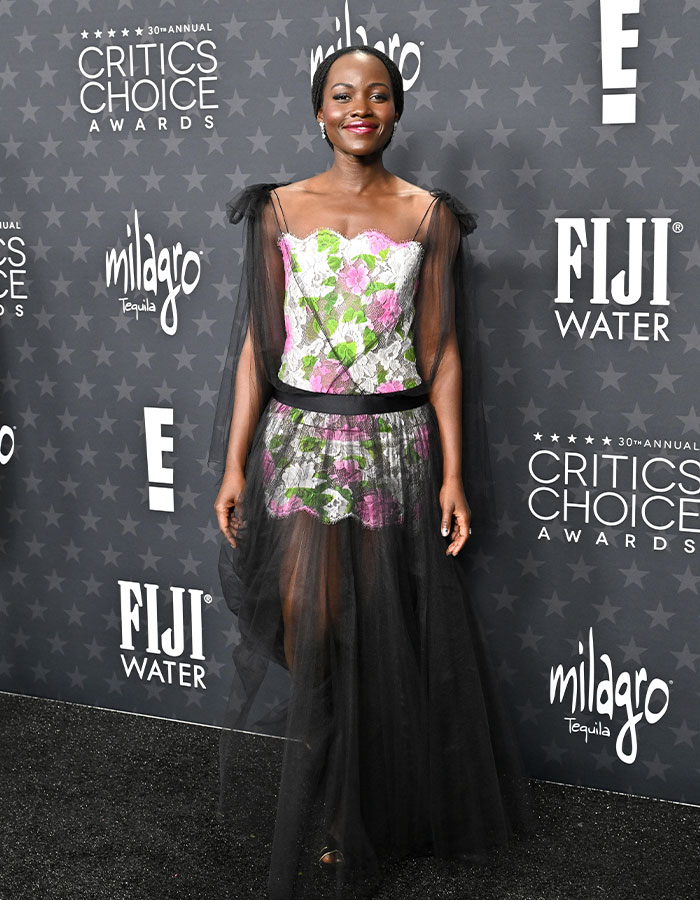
348 312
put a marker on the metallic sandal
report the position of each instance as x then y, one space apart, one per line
336 855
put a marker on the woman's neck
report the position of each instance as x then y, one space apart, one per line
357 174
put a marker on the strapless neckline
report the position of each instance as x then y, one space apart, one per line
359 234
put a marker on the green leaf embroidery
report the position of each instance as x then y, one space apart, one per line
327 240
370 447
308 363
329 303
296 416
275 442
383 424
383 253
308 443
331 280
410 355
375 286
313 497
411 455
334 263
331 324
346 352
369 338
367 258
295 263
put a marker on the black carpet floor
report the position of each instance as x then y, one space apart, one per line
99 805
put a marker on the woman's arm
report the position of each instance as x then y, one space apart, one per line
247 408
446 397
249 394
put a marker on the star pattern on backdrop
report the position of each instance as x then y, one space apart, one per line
505 113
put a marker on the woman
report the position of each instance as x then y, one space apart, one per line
349 422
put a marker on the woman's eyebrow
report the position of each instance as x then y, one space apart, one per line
372 84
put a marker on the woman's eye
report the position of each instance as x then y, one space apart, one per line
374 96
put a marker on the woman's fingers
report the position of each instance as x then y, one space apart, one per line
226 526
446 519
460 532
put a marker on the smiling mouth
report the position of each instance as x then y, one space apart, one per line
362 129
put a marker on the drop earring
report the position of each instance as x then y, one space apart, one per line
323 129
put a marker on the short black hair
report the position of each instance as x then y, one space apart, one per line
321 74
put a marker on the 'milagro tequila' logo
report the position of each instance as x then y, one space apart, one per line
630 692
144 268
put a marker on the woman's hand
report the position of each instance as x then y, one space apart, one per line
226 502
454 504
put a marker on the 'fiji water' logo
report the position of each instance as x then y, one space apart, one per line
615 306
142 609
630 692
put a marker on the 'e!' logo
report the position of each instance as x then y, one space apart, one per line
618 109
7 444
160 498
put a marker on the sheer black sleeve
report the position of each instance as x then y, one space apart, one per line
258 311
445 309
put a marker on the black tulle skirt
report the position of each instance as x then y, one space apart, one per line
359 644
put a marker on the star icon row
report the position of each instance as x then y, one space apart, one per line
110 33
571 438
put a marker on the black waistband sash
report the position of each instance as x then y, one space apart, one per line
350 404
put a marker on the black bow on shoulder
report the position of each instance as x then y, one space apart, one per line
250 200
466 218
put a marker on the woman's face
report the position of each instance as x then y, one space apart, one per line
358 104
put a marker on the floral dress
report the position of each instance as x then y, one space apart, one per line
348 313
356 639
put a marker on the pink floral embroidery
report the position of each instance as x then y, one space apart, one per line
268 466
376 508
378 241
289 506
347 470
355 276
388 301
348 433
330 376
422 444
286 257
389 386
288 343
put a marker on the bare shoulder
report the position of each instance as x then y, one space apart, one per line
408 189
299 188
417 199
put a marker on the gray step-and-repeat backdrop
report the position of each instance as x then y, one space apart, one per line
571 128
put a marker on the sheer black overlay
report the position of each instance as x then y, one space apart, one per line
359 642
